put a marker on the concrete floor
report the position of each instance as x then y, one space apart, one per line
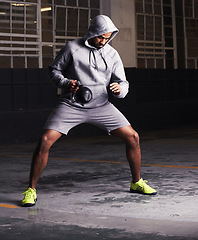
84 190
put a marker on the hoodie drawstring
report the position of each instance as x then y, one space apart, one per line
95 62
104 60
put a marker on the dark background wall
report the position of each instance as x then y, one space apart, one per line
157 99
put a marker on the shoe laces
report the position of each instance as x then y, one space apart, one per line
28 192
143 184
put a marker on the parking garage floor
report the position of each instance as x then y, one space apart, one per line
84 191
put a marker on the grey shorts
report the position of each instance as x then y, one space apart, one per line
65 117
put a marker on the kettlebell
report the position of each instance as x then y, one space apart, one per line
83 95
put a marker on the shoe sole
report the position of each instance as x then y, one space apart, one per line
135 191
29 204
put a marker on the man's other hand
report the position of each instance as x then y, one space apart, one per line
115 88
73 86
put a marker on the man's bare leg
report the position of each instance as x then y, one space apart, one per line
40 156
39 161
133 153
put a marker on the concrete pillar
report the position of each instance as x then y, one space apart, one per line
122 12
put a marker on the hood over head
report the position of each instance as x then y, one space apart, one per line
100 25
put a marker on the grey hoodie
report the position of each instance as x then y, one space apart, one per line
93 68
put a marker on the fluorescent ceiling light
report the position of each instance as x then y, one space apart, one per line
46 9
20 4
49 45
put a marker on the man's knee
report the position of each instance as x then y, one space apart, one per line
45 140
48 138
44 144
133 139
128 134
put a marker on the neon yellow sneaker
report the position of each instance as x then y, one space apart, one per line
142 187
30 197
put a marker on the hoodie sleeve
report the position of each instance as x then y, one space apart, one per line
58 66
118 75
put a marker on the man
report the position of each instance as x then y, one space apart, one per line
92 63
